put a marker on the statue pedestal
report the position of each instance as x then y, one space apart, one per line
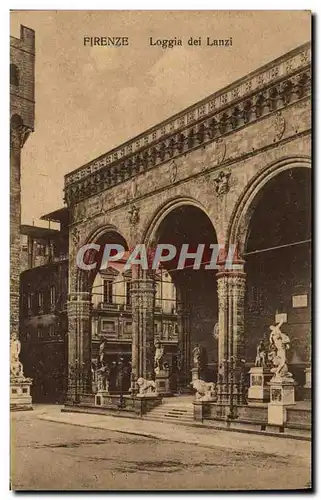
308 382
100 398
281 395
196 372
162 383
259 391
20 398
307 388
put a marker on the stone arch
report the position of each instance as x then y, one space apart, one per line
161 213
83 278
196 295
237 232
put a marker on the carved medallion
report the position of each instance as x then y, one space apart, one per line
222 183
133 215
278 123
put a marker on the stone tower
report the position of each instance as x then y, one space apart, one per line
22 111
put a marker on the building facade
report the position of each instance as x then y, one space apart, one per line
232 169
43 311
22 119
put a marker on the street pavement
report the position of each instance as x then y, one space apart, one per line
66 451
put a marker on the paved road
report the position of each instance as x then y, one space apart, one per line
54 456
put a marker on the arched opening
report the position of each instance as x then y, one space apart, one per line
195 290
277 252
111 315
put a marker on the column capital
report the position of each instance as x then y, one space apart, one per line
79 297
231 276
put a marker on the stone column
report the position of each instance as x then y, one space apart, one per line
183 341
231 292
79 345
18 137
143 304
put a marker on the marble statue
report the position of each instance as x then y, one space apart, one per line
279 344
205 391
103 378
158 358
146 387
261 355
16 368
197 356
102 350
220 374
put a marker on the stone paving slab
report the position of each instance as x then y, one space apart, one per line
211 438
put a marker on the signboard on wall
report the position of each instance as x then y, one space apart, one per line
299 300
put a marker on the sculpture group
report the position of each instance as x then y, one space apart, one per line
274 357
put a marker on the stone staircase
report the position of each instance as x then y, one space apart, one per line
177 410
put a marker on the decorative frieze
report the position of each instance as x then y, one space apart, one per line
264 93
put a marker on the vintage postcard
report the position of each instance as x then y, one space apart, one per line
160 216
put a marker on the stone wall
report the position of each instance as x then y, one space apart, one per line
22 55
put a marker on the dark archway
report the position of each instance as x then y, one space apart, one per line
277 252
196 288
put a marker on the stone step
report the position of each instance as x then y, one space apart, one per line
155 418
175 410
172 414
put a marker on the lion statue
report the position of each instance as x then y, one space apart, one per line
146 387
205 391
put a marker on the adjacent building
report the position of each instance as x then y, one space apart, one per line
43 315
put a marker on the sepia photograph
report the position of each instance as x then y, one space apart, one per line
160 250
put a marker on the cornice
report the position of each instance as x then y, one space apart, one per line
228 163
264 91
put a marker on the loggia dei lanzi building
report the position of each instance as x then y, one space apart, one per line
233 169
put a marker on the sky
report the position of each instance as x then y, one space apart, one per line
91 99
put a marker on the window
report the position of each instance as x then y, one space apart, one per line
128 294
29 301
52 295
52 330
108 326
40 249
108 291
39 333
40 300
14 75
